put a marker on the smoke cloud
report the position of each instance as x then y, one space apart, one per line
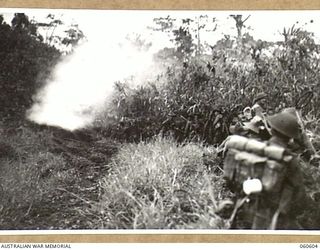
82 83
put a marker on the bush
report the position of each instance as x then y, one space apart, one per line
25 63
29 176
159 185
198 98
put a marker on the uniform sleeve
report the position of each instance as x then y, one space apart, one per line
294 181
294 174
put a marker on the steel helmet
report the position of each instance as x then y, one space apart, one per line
291 111
285 123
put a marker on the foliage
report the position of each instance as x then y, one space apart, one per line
29 175
186 33
25 63
159 185
183 40
197 98
47 173
298 68
54 32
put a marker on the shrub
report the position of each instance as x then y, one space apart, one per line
28 176
198 98
25 63
159 185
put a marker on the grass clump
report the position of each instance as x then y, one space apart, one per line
159 185
26 177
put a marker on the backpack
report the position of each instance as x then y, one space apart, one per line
250 159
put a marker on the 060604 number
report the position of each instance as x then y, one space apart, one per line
308 245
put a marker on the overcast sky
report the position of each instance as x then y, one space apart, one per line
106 24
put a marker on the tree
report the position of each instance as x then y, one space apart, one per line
203 22
186 33
184 43
21 22
56 33
25 62
239 25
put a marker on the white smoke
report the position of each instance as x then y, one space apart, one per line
83 82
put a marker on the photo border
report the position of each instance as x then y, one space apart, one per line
155 237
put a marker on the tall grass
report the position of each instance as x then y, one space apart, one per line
199 99
29 175
160 185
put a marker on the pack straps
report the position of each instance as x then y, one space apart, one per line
239 204
285 199
286 196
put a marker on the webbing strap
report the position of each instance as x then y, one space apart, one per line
239 204
286 196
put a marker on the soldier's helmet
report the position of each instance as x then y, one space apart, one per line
285 123
291 111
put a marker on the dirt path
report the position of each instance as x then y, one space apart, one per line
86 155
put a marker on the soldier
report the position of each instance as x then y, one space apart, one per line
266 177
259 106
252 120
255 128
284 127
302 144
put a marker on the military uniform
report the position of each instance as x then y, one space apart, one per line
268 207
252 120
285 127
